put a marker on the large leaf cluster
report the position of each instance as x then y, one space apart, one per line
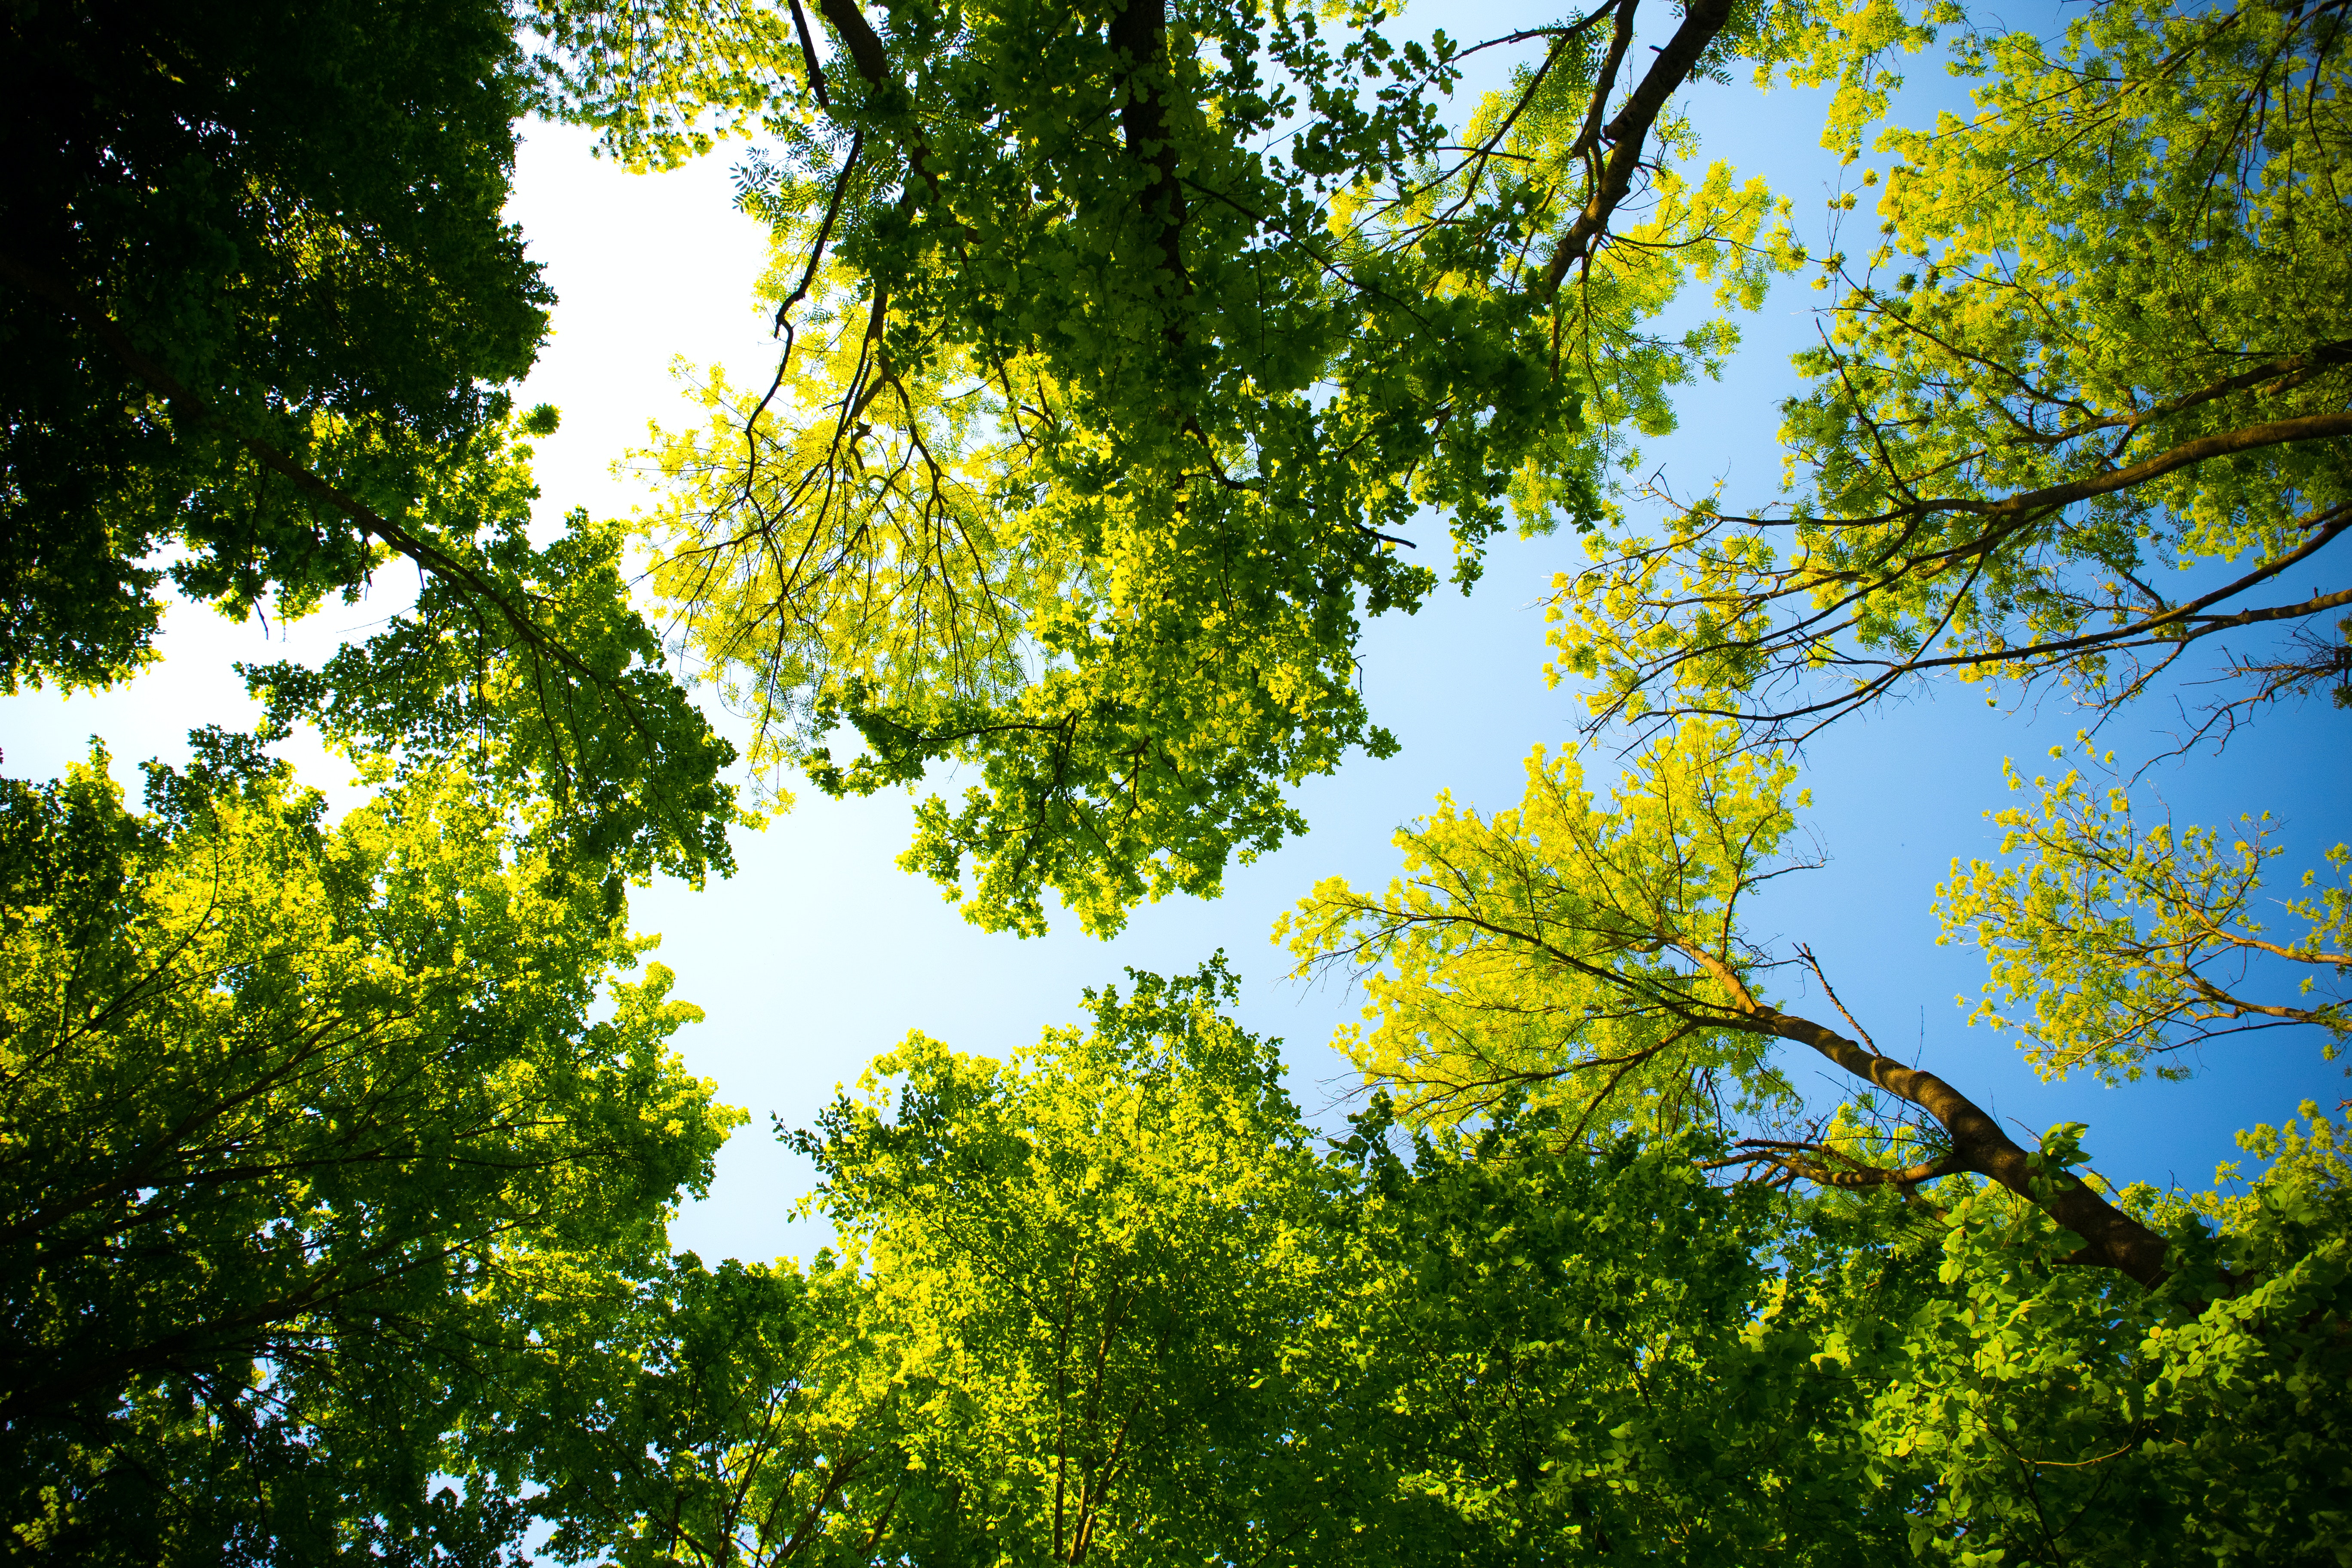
1123 355
290 212
283 1103
262 312
2051 1414
1105 1302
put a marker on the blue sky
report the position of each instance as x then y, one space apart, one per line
819 954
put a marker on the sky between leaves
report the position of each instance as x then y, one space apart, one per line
820 953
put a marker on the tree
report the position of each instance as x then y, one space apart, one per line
1645 1014
1094 434
2055 1369
284 1105
1591 953
2053 1413
1054 1332
2045 1366
2101 337
1102 1302
1097 430
1084 1262
261 310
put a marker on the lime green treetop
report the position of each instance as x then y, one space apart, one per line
1085 1262
2099 340
2114 944
1593 955
1125 353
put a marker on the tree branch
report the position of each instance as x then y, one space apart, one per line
1139 32
1701 22
369 521
2111 1237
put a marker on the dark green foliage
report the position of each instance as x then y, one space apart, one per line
257 309
289 211
1560 1350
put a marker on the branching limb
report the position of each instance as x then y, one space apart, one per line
1701 22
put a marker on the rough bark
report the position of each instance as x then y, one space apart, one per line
2110 1237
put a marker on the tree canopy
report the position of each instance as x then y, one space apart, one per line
1109 1302
262 314
287 1109
1097 427
1126 357
251 252
2097 341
